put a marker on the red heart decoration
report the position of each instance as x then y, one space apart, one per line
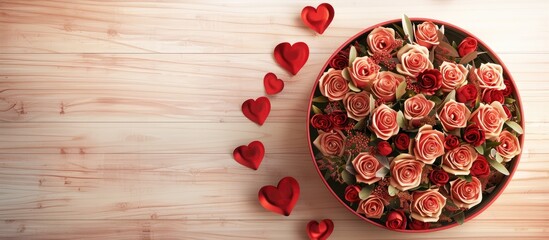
280 199
251 155
291 57
257 110
320 231
273 85
318 18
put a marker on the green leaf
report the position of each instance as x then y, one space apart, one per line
353 87
480 149
407 27
382 160
348 177
436 100
451 96
372 103
459 217
469 57
451 203
359 124
515 126
352 55
382 172
317 110
399 30
320 99
345 74
365 192
492 144
401 90
499 158
498 166
432 54
467 178
401 120
392 191
510 100
447 49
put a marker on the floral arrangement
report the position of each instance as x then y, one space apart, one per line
414 126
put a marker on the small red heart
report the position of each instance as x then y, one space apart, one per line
291 57
257 110
280 199
273 85
251 155
318 18
320 231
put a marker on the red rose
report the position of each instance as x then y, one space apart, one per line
466 93
351 193
491 95
474 135
396 220
341 60
322 122
480 167
439 177
429 81
419 225
402 141
466 46
451 142
508 87
384 148
338 119
507 111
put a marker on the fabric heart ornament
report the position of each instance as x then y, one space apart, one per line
291 57
273 85
320 231
257 110
282 198
318 18
251 155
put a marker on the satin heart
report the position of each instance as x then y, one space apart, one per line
291 57
318 19
251 155
257 110
280 199
320 231
273 85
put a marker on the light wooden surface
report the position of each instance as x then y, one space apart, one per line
117 118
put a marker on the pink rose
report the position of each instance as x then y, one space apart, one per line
414 59
363 71
427 205
490 118
454 115
330 143
458 161
371 207
357 104
366 167
332 85
417 107
466 194
426 34
381 40
384 122
406 172
509 146
453 76
489 75
429 144
384 87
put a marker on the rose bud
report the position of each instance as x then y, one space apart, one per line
418 225
507 111
429 81
474 135
467 46
451 142
338 119
351 193
466 93
396 220
490 95
480 167
340 61
508 88
402 141
384 148
321 122
439 177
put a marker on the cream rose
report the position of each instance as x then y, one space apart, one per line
384 87
458 161
384 122
453 76
357 104
489 75
426 34
366 167
381 40
454 115
330 143
372 207
466 194
509 146
332 85
427 205
429 144
406 172
490 118
417 107
363 71
414 59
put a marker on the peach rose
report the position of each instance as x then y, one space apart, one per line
509 147
366 167
454 115
426 206
490 118
466 194
406 172
332 85
458 161
426 34
384 122
453 76
384 87
417 107
381 40
372 207
363 71
429 144
357 104
330 143
489 75
414 59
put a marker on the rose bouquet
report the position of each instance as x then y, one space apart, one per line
413 127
